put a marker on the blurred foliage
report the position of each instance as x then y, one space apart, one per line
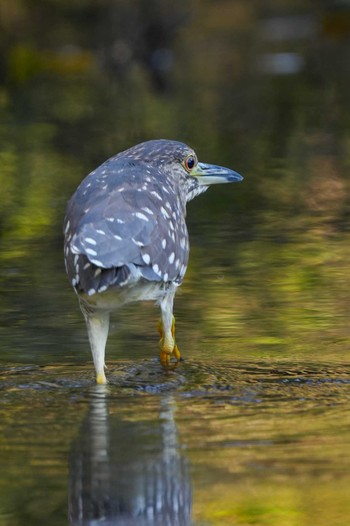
82 80
263 89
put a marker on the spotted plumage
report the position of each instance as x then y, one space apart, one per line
120 230
125 232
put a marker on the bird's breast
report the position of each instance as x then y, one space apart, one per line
114 298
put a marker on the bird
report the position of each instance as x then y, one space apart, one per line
126 239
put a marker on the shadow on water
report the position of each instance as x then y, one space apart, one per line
128 471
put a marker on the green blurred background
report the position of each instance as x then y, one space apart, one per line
262 87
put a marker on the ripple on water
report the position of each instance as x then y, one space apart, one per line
239 383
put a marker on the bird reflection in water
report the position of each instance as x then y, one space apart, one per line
124 472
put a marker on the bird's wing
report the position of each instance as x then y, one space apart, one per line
124 226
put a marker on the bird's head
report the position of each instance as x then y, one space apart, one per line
179 162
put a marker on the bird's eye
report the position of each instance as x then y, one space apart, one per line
190 161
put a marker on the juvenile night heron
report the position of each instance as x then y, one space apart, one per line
126 237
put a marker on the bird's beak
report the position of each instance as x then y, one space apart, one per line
207 174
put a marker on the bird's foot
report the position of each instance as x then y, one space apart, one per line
166 358
101 378
168 347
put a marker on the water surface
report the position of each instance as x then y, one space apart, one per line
228 443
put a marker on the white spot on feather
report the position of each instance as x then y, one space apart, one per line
138 243
140 215
148 210
153 192
171 258
146 258
91 252
90 241
164 213
97 262
156 269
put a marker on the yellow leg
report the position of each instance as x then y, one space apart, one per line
168 347
101 378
